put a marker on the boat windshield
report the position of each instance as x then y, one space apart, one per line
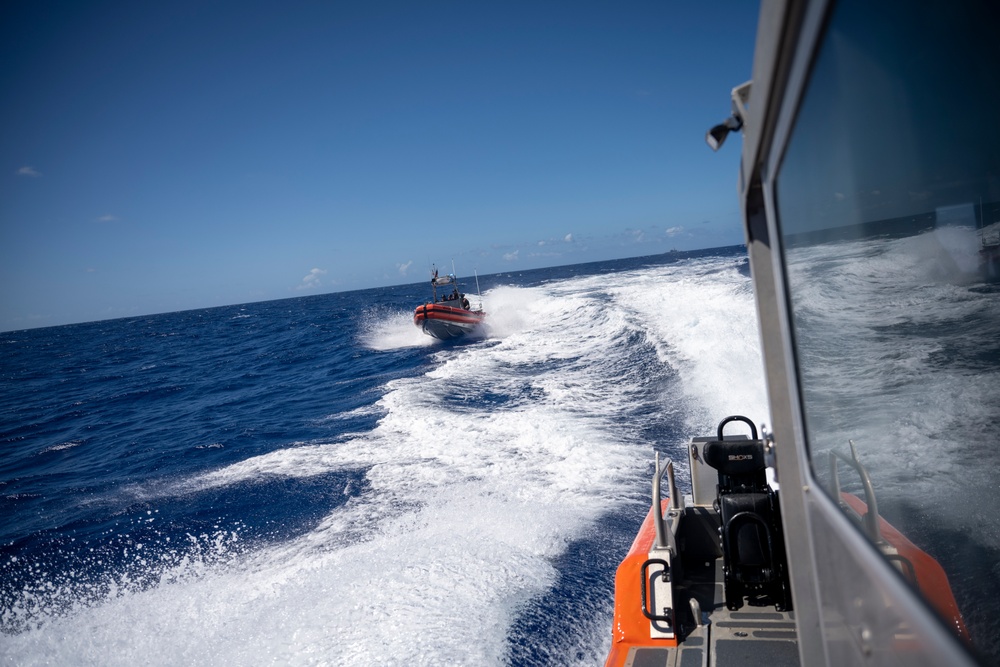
888 204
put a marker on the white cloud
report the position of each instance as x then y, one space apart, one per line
568 238
312 281
674 231
28 171
511 256
403 268
107 218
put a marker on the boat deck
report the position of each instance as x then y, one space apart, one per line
753 636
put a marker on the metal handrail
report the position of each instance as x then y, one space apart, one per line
871 517
664 538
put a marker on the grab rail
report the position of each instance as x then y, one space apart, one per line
664 538
871 517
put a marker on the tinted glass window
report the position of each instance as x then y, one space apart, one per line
889 206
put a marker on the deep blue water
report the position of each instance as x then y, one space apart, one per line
314 480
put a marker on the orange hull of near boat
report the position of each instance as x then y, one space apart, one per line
630 627
923 571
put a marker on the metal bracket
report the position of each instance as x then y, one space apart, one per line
769 458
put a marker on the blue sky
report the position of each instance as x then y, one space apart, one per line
162 156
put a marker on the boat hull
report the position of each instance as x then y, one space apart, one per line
630 628
444 322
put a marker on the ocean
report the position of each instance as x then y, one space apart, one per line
316 481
